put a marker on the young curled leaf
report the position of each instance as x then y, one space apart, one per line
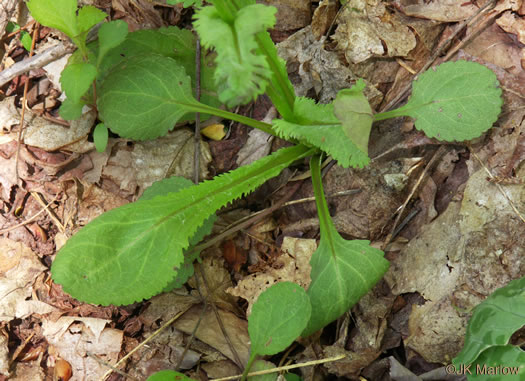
242 72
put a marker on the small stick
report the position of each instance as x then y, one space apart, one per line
30 219
436 155
168 323
283 368
24 101
36 62
197 150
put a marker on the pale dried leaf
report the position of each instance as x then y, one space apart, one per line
366 28
292 266
19 267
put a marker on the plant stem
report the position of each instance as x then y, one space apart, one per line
325 221
235 117
401 111
248 366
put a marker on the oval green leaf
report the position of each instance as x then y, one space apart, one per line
100 137
278 317
455 101
76 79
144 97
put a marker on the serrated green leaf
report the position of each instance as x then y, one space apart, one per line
172 42
278 317
70 110
144 97
76 79
505 363
100 137
169 375
455 101
171 185
128 254
494 321
317 125
58 14
242 72
351 107
342 271
110 35
89 16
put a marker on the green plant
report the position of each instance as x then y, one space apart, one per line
142 84
487 351
25 38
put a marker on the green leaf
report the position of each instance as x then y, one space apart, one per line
318 126
26 40
242 72
278 317
455 101
144 97
494 321
351 107
100 137
173 42
169 375
342 271
58 14
88 17
186 3
70 110
498 363
110 35
263 365
292 377
76 79
128 254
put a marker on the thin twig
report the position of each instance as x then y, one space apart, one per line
283 368
251 220
108 365
121 361
430 164
24 101
194 331
30 219
500 188
197 150
36 62
51 214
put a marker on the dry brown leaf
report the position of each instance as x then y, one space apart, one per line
74 337
135 166
210 333
367 29
291 14
293 266
19 268
4 356
439 10
469 251
313 67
